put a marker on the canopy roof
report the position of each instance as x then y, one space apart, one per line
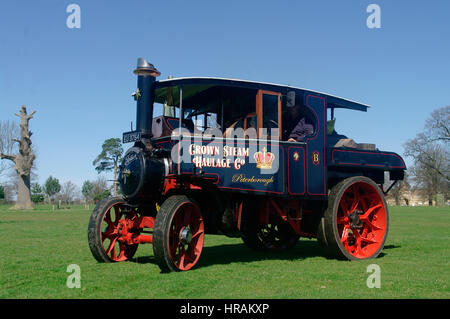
209 87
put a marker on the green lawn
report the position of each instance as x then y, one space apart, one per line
39 245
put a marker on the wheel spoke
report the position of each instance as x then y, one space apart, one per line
350 238
107 234
367 240
181 257
369 211
344 207
199 232
187 216
357 245
365 200
174 243
181 261
195 248
176 227
371 225
111 248
356 199
345 231
108 220
121 255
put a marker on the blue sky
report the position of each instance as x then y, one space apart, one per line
80 80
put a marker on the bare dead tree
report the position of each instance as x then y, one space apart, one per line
68 191
438 125
23 160
428 154
431 168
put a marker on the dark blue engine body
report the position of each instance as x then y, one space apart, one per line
295 169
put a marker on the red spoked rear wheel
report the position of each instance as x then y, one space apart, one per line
108 222
356 221
178 234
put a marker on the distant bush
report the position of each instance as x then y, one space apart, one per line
98 197
37 198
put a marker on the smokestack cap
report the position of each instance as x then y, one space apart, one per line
145 68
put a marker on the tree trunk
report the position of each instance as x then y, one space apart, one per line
430 199
23 193
115 179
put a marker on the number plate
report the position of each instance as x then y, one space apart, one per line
129 137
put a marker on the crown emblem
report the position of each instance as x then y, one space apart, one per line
264 159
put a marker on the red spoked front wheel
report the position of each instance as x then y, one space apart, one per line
107 224
356 221
178 234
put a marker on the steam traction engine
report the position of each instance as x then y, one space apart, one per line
211 156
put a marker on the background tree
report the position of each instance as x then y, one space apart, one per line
9 131
100 189
427 177
37 193
9 192
23 161
68 192
109 159
427 154
430 151
100 196
51 188
2 193
437 126
86 191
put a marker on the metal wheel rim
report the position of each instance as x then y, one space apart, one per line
361 220
185 255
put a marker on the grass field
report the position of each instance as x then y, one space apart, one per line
39 245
